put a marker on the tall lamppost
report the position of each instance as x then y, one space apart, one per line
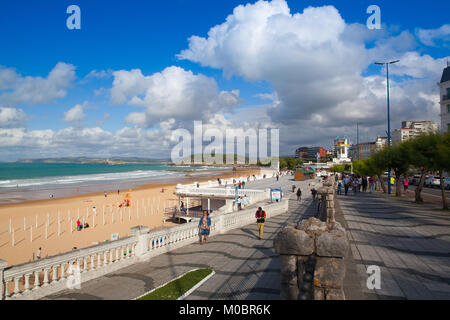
388 114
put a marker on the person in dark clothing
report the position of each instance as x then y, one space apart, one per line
299 194
364 184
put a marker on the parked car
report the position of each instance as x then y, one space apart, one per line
414 180
433 181
447 183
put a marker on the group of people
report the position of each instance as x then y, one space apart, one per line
355 183
242 202
299 192
205 225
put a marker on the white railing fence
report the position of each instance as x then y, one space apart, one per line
40 278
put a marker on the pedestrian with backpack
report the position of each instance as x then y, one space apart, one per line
260 216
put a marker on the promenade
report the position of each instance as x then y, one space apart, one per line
409 242
246 267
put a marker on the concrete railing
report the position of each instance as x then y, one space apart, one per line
52 274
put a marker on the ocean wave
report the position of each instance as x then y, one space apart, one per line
90 178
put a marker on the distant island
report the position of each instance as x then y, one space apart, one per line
83 160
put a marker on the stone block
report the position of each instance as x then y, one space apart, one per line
329 272
319 293
288 269
334 294
332 244
290 241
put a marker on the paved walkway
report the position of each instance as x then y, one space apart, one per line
409 242
246 267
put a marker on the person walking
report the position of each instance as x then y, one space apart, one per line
372 182
293 188
364 184
243 184
205 227
299 194
355 185
405 184
346 184
339 191
260 216
38 253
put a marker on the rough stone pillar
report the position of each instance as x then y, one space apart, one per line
3 265
312 260
140 232
292 245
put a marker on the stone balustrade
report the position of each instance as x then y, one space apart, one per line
40 278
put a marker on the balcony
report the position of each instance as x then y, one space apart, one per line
445 97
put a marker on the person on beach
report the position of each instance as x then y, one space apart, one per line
260 216
38 253
299 194
205 226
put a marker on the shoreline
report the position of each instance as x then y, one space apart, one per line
147 207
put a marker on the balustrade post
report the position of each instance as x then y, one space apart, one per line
55 274
3 292
16 287
93 262
37 283
99 260
46 280
85 264
63 272
105 260
111 256
27 282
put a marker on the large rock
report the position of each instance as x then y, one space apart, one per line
292 241
312 227
332 244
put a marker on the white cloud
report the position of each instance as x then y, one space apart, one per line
430 36
75 115
316 63
35 90
171 93
11 117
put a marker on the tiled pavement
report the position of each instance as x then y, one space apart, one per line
409 242
246 267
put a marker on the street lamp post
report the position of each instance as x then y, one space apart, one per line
388 114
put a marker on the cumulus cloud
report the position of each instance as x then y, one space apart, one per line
15 89
316 64
171 93
11 117
75 115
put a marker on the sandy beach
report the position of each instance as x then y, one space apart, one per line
27 222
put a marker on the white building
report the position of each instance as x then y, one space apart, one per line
445 100
412 129
342 146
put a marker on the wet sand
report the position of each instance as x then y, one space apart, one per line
147 205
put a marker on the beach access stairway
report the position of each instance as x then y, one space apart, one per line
40 278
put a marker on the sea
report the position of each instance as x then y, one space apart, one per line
21 182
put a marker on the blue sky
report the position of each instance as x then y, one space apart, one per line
148 35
